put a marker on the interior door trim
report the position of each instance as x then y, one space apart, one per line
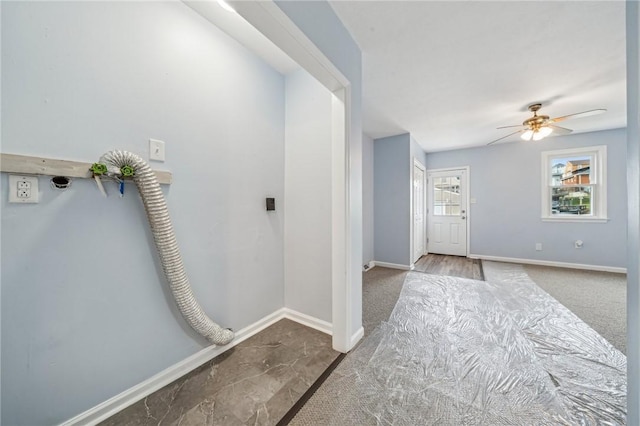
467 170
425 248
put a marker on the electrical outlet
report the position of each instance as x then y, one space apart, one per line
23 189
538 246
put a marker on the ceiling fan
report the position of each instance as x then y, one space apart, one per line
541 126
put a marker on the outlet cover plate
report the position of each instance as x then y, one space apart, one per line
23 189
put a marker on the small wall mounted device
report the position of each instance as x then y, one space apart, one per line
271 204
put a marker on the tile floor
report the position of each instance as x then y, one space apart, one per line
255 383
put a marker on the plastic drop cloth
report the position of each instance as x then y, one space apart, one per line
502 352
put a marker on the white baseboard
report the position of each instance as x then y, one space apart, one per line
355 338
550 263
370 265
309 321
132 395
394 265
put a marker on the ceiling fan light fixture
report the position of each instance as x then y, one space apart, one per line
545 131
541 133
527 135
538 127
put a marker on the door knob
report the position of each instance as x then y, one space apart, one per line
463 217
463 211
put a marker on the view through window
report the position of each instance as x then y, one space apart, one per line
571 191
446 196
574 184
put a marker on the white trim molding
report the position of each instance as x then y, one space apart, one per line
412 219
308 320
341 301
134 394
602 268
597 183
393 265
369 266
355 338
274 24
269 19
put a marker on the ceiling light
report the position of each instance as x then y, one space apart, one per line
545 131
541 133
527 135
223 4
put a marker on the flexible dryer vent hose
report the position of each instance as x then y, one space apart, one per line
166 244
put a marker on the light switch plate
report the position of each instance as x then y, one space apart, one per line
156 150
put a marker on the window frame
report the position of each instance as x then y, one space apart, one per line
597 182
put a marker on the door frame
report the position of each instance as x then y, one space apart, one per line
418 164
266 17
467 170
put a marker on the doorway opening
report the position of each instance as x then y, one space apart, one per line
275 25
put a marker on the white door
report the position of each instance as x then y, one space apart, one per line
418 211
447 212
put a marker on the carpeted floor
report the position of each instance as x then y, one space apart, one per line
597 298
580 291
380 290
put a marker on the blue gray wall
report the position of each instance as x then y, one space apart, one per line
392 199
86 313
505 220
392 191
418 153
367 200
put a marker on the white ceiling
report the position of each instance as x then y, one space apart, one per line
451 72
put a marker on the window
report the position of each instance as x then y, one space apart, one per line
573 185
446 196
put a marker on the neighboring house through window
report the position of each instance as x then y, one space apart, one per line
574 184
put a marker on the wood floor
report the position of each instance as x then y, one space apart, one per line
454 266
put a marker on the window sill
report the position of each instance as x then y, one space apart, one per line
576 219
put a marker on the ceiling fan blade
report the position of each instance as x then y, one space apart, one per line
560 130
578 115
507 127
504 137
